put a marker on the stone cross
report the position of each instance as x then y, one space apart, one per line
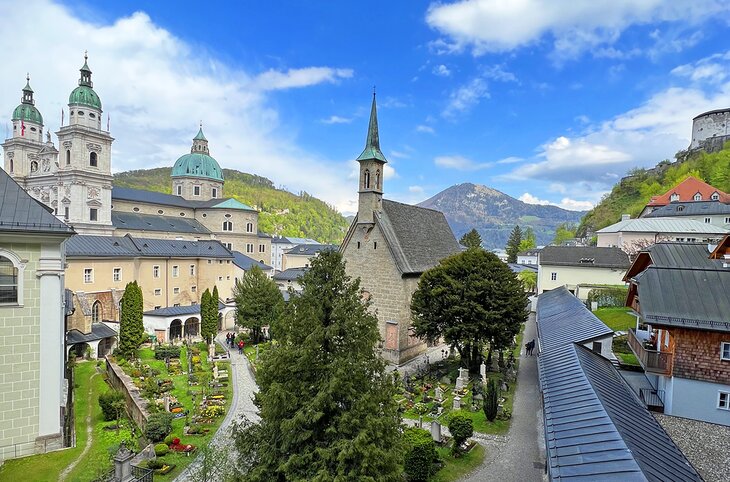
463 379
483 372
457 403
436 431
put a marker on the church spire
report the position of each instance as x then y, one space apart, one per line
372 144
200 143
27 92
86 72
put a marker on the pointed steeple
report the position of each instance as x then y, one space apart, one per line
372 144
86 72
27 97
200 143
200 136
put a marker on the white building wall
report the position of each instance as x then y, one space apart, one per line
694 399
572 276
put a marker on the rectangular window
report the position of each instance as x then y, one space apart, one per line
65 213
93 214
175 271
88 275
215 193
192 270
176 291
725 350
554 276
708 220
229 245
228 277
723 400
193 288
155 271
210 261
117 274
220 278
249 248
727 220
179 190
196 191
158 292
262 248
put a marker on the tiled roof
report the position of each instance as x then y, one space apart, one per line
585 256
663 225
245 263
518 268
696 208
310 249
20 212
132 247
151 197
99 331
179 310
686 190
152 222
291 274
417 237
290 240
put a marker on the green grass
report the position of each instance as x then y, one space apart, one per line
618 319
454 469
628 359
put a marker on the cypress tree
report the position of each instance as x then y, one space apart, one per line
215 299
205 302
139 314
131 329
491 400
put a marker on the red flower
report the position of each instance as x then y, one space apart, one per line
176 441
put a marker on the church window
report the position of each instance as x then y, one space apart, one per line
65 213
8 281
179 190
136 210
96 312
227 226
196 191
92 159
375 245
215 192
249 227
91 114
72 112
80 112
358 245
93 214
182 214
11 166
262 248
249 248
33 166
366 177
32 129
205 215
377 179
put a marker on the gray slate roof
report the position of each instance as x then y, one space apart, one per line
152 222
518 268
132 247
663 225
595 427
291 240
695 208
685 297
310 249
20 212
151 197
245 263
417 237
179 310
99 331
291 274
581 256
682 255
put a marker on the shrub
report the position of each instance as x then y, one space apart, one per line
164 351
420 455
161 449
159 425
155 464
491 400
608 296
461 428
168 439
420 408
196 359
106 402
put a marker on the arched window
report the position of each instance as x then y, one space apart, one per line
92 159
366 178
227 226
12 169
377 179
68 156
96 312
249 227
9 281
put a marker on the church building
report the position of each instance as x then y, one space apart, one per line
388 246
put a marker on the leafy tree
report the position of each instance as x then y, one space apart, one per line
491 400
461 429
513 244
131 329
529 241
106 402
469 299
529 280
563 233
326 403
258 302
472 239
420 456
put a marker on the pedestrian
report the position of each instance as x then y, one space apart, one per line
228 339
527 349
532 346
240 347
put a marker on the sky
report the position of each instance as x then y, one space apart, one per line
551 102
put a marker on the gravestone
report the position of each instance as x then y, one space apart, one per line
483 372
166 401
215 372
457 403
439 394
211 351
463 379
436 431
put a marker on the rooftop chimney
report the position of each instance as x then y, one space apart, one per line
625 217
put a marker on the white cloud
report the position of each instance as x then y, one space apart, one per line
460 163
530 199
398 155
156 87
510 160
565 203
709 69
441 71
465 97
497 72
573 25
426 129
335 119
415 189
557 187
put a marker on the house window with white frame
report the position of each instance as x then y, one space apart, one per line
193 289
249 227
155 271
196 191
176 291
725 350
117 274
8 281
723 400
698 197
88 275
553 276
262 248
727 220
158 292
674 197
249 248
175 271
708 220
715 196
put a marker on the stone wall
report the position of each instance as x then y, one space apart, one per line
711 124
697 355
136 404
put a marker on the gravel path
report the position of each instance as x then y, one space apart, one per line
518 456
244 386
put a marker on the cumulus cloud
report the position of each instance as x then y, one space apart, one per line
465 97
573 26
460 163
530 199
156 87
565 203
441 71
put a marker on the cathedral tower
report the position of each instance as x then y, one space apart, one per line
23 147
372 164
197 176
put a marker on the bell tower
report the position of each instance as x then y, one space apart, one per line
22 148
372 164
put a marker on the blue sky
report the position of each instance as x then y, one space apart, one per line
550 102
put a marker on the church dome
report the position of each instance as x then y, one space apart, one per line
84 95
28 113
199 162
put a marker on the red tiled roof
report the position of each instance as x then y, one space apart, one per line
687 190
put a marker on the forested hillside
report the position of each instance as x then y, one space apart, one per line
280 212
634 192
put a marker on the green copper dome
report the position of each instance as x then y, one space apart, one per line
28 113
197 165
84 95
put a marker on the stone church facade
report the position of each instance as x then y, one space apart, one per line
388 246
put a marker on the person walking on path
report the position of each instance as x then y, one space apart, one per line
240 347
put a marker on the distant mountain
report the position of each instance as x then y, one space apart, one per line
280 212
494 214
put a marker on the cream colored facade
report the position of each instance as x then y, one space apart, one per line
577 279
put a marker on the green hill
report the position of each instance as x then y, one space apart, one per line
280 212
634 191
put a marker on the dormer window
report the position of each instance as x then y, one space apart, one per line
674 197
715 196
698 197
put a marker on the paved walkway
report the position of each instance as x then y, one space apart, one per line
518 456
244 386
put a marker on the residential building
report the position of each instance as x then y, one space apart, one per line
301 256
580 268
32 358
716 213
681 294
388 246
689 190
245 263
529 256
289 278
281 244
595 427
634 234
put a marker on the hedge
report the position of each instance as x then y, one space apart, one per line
106 402
421 455
164 351
608 297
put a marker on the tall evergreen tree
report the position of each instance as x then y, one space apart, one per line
205 302
472 239
258 302
138 314
215 298
326 403
513 244
131 329
469 299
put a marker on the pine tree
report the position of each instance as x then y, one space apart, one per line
205 302
513 244
258 302
472 239
327 406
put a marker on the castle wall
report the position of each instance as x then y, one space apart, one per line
712 124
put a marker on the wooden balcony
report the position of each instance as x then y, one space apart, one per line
653 361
